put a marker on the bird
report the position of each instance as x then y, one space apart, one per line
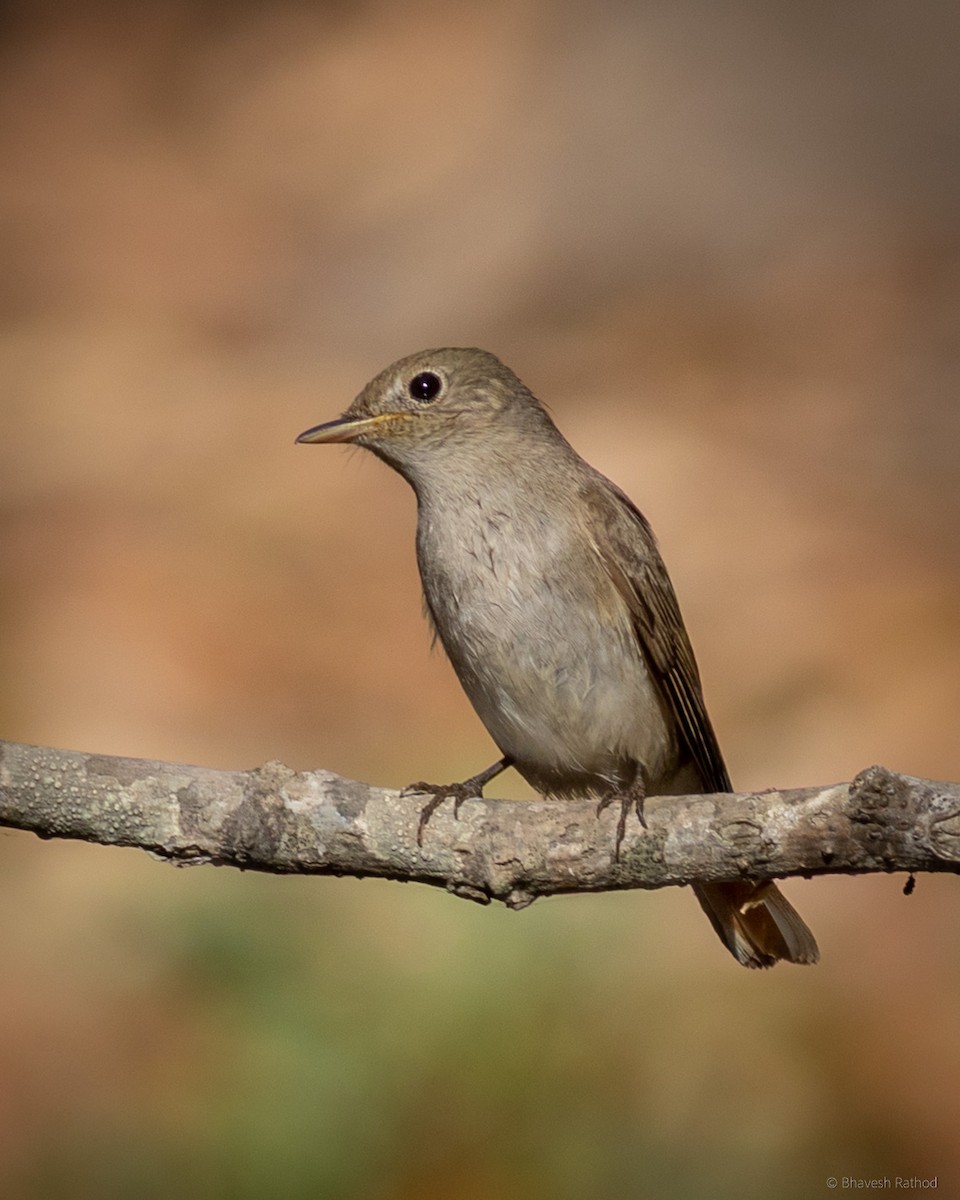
545 585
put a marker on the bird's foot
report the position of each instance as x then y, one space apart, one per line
470 789
438 793
630 798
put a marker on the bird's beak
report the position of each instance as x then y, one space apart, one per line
343 429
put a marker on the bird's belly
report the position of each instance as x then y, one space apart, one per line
569 700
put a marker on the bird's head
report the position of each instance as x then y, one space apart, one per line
426 405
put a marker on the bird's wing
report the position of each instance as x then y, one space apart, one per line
628 550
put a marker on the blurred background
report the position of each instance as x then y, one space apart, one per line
720 240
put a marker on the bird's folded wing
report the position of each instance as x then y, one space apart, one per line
628 550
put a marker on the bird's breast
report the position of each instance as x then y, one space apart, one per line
544 646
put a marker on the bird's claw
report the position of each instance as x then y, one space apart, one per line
438 793
632 797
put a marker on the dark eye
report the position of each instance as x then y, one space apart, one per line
425 386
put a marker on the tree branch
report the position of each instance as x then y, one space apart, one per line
280 820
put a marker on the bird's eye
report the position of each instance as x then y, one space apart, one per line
425 386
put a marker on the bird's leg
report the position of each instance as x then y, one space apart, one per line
633 797
470 789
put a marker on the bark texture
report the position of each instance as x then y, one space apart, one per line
276 819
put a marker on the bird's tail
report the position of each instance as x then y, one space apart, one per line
757 923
